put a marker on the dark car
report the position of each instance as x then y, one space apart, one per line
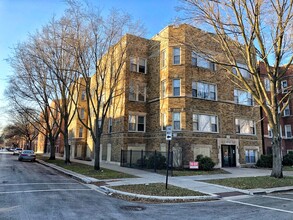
27 155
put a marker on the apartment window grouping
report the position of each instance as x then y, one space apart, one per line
245 126
205 123
138 65
242 68
137 92
250 156
136 123
242 97
164 59
284 86
176 87
176 121
176 55
200 60
203 90
163 121
288 131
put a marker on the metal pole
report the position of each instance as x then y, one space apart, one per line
168 159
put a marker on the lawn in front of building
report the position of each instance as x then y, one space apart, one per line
254 182
189 172
88 170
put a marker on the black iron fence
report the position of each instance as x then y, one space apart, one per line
151 160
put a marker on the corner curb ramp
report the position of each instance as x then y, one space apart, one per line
110 191
80 177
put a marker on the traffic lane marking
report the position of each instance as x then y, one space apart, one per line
260 206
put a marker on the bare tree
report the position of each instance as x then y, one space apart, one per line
100 48
254 30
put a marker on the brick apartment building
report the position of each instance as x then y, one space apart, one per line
165 82
286 120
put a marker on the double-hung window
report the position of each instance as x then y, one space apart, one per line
270 132
80 132
110 125
176 55
250 156
176 87
267 84
242 97
163 121
245 126
176 121
242 68
136 123
83 95
82 113
200 60
203 90
205 123
287 111
284 86
137 92
288 131
138 65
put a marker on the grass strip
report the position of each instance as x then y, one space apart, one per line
89 170
254 182
193 172
157 189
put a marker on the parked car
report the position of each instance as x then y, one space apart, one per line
17 151
27 155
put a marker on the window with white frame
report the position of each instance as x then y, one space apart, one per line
163 88
267 84
80 132
138 65
136 123
287 111
200 60
137 91
270 132
82 111
110 128
284 86
242 97
250 156
163 121
204 90
245 126
242 68
288 131
176 121
205 123
176 55
164 59
176 87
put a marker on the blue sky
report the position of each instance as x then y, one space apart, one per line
18 18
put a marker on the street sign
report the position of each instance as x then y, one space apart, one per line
168 133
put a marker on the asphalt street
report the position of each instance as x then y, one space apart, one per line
31 191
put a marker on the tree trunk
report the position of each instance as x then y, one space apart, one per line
97 152
66 145
53 150
277 156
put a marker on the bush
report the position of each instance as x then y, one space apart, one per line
160 161
288 159
205 163
265 161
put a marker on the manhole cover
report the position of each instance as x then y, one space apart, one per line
133 208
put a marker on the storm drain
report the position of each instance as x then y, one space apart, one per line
133 208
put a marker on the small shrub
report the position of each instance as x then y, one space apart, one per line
160 162
205 163
265 161
288 159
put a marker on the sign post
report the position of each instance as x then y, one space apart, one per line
168 138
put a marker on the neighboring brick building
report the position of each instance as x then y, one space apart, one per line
286 120
166 83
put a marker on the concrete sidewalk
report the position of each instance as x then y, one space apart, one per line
189 182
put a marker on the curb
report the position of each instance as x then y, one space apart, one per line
80 177
271 190
109 191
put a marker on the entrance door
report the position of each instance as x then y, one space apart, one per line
228 156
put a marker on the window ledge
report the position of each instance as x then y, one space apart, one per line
208 132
